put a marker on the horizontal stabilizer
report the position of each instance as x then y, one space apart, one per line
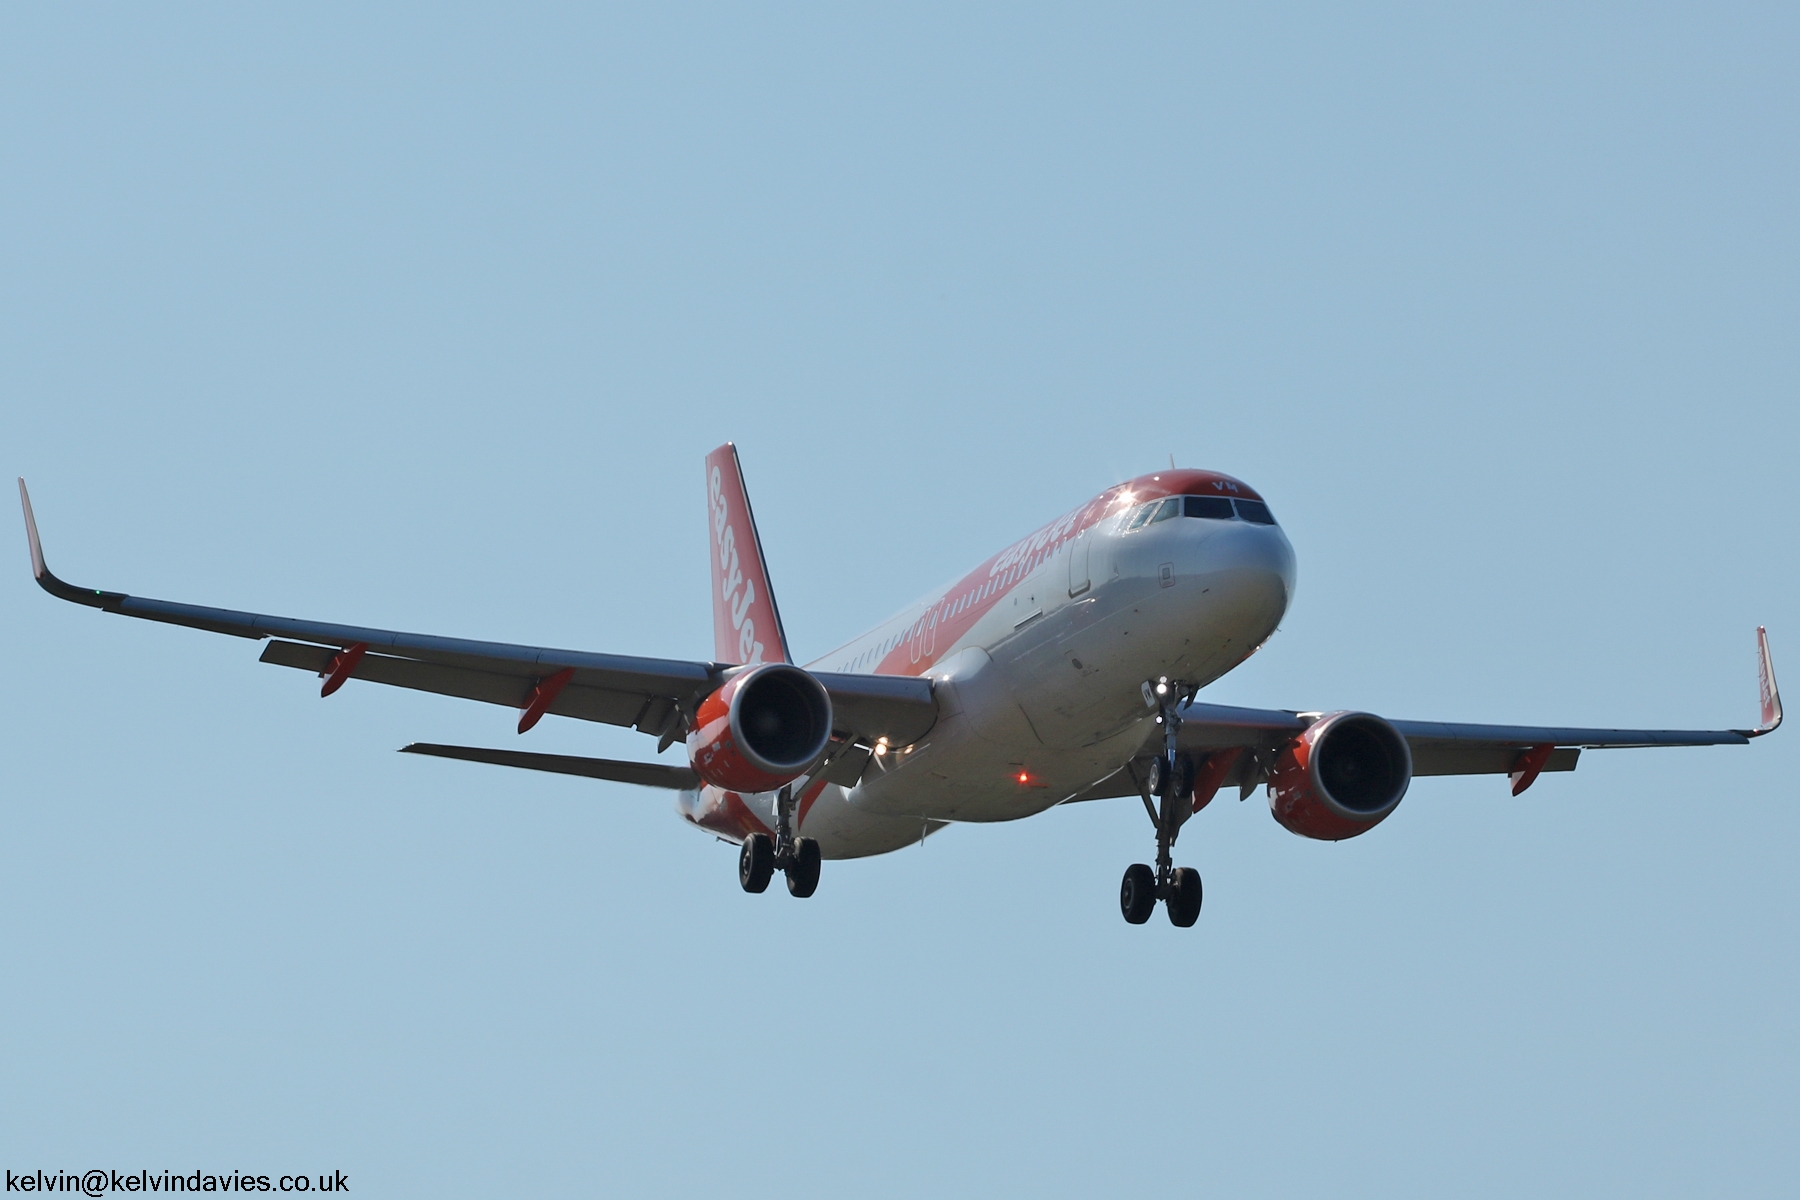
643 774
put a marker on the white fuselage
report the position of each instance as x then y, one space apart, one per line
1038 659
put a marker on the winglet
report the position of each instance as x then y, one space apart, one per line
1767 692
49 582
38 569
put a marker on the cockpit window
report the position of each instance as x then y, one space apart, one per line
1216 508
1212 508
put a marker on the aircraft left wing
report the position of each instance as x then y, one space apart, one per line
1440 747
653 695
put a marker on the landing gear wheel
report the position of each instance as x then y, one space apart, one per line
1159 776
1182 777
1184 897
756 862
1137 894
803 871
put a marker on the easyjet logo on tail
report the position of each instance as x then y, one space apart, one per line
731 575
746 628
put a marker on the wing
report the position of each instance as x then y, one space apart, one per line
653 695
1440 747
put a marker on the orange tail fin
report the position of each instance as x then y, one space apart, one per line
746 623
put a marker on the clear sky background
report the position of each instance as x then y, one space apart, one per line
424 318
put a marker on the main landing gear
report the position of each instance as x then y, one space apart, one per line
762 856
1167 788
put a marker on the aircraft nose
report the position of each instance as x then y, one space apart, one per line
1250 567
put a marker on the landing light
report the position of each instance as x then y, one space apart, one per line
881 747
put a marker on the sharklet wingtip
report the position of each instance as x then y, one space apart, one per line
38 569
1768 693
46 578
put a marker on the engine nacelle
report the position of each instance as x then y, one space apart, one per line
761 729
1342 777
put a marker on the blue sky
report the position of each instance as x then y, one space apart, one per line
424 318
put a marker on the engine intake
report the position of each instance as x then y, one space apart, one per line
761 729
1342 777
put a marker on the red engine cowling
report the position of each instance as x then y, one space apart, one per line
1342 777
761 729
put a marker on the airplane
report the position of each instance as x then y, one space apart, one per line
1065 668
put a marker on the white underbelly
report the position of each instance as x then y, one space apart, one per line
841 829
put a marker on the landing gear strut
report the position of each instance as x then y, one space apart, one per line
796 857
1167 789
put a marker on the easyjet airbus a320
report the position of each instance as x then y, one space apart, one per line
1066 667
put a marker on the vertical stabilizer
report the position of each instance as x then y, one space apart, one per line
746 623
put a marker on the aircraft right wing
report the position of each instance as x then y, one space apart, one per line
653 695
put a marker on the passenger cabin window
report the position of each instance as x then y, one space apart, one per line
1256 512
1216 508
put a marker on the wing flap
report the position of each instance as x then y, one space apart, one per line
581 699
1476 758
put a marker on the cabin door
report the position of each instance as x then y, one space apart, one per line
1078 562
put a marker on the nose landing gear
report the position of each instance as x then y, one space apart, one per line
796 857
1167 789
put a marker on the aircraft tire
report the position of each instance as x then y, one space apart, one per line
1184 898
1184 776
1137 893
1158 777
756 862
803 872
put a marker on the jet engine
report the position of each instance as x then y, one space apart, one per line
761 729
1341 777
